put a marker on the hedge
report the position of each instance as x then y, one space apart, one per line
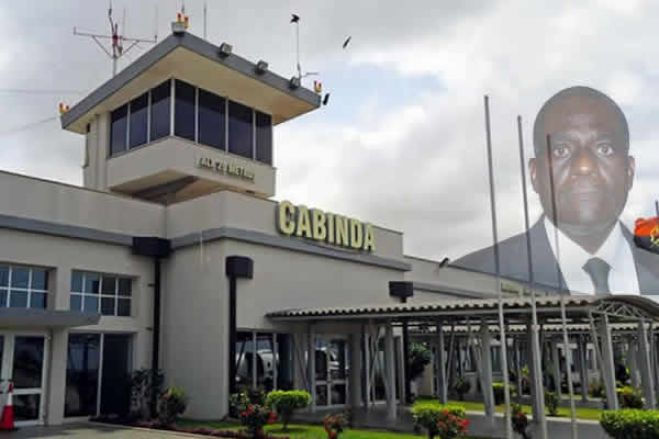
631 424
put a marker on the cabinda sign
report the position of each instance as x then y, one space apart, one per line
325 227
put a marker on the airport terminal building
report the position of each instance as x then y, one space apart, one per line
136 268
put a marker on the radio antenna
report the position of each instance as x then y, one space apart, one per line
116 38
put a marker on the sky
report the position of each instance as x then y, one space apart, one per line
402 142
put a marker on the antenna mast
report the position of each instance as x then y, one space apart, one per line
117 40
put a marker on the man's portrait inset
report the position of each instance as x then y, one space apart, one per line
582 173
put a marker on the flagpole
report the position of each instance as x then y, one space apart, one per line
568 350
502 329
539 416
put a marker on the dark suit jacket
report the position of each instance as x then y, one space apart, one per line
514 261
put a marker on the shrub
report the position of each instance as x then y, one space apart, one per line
551 403
171 404
428 417
631 424
630 397
334 425
520 421
596 389
285 402
461 387
255 417
237 403
499 392
451 425
419 358
141 389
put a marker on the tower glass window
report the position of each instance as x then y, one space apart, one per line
241 129
211 119
160 111
184 111
138 121
119 125
263 137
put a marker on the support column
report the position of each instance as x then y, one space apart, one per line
311 366
633 361
390 370
486 370
556 367
56 389
355 384
607 366
442 390
535 377
367 367
583 368
518 368
645 366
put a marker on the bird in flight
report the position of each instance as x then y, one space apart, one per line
295 18
346 42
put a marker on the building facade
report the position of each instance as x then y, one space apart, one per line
128 272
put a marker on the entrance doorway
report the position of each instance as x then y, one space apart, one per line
23 363
331 371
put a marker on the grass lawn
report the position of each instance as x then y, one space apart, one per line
563 412
303 431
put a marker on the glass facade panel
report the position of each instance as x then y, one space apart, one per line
39 279
184 111
118 127
38 300
82 374
115 383
241 129
263 137
3 297
211 119
109 285
26 407
4 276
90 304
92 283
28 362
138 121
76 302
18 299
160 111
125 286
20 277
76 281
107 306
123 307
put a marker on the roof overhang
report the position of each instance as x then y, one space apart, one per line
43 318
619 308
192 59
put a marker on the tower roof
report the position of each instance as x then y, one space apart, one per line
187 57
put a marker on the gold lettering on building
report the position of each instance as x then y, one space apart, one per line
324 227
225 167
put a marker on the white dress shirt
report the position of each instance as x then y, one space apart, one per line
614 251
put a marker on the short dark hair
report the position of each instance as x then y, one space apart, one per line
539 137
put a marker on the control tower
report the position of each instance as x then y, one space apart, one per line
186 119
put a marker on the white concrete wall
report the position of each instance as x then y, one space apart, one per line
62 256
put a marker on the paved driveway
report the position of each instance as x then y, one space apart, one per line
92 430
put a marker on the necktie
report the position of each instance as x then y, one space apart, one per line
598 270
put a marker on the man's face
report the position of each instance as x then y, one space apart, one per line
592 171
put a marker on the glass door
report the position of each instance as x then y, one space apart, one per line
23 360
331 371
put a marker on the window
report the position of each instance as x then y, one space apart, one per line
211 119
85 376
94 292
240 129
138 121
23 287
184 111
160 111
119 125
263 137
83 358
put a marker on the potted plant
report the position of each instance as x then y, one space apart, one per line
334 425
